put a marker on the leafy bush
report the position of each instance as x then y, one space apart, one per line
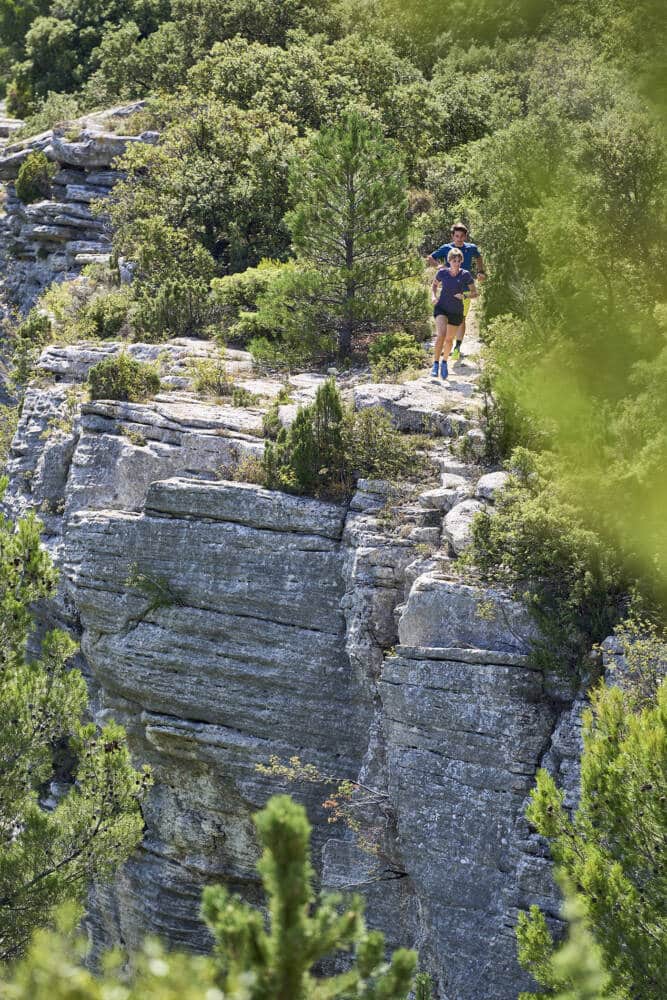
375 450
34 178
179 307
613 852
122 377
327 448
291 322
210 377
161 251
29 338
309 458
237 294
105 315
393 353
535 543
52 109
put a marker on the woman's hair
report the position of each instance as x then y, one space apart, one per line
453 253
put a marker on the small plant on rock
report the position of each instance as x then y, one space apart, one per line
310 457
29 338
34 178
210 376
122 377
327 448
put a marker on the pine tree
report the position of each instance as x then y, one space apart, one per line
51 845
250 961
276 964
310 457
614 850
350 223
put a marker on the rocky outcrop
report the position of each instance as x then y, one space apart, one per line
54 238
223 624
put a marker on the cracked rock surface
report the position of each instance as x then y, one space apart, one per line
341 634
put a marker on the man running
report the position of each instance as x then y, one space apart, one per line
454 282
471 258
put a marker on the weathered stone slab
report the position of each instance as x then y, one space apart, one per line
457 526
245 504
488 485
447 613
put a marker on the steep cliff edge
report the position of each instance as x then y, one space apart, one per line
341 634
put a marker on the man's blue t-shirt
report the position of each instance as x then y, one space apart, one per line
450 286
470 253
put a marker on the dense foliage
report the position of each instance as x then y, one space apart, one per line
34 178
328 446
612 853
123 377
249 962
69 797
535 544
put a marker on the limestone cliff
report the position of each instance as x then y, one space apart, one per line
339 633
54 238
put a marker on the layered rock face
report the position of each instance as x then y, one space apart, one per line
55 237
222 624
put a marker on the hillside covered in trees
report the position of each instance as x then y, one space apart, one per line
285 168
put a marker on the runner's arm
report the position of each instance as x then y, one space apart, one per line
434 290
479 267
472 290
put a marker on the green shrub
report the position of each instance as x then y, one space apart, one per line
243 397
122 377
237 297
393 353
179 307
535 543
374 449
105 315
34 178
54 108
310 457
251 326
29 338
278 353
210 377
9 418
327 448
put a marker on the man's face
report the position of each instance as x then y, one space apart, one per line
458 237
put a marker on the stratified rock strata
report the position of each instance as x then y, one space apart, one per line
223 624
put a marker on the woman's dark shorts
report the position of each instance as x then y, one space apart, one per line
453 319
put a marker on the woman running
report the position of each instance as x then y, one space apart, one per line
454 283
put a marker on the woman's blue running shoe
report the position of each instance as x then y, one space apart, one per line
444 373
434 370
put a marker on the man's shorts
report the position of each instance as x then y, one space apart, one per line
453 319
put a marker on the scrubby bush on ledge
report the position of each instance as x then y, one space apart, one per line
34 178
122 377
534 543
328 447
